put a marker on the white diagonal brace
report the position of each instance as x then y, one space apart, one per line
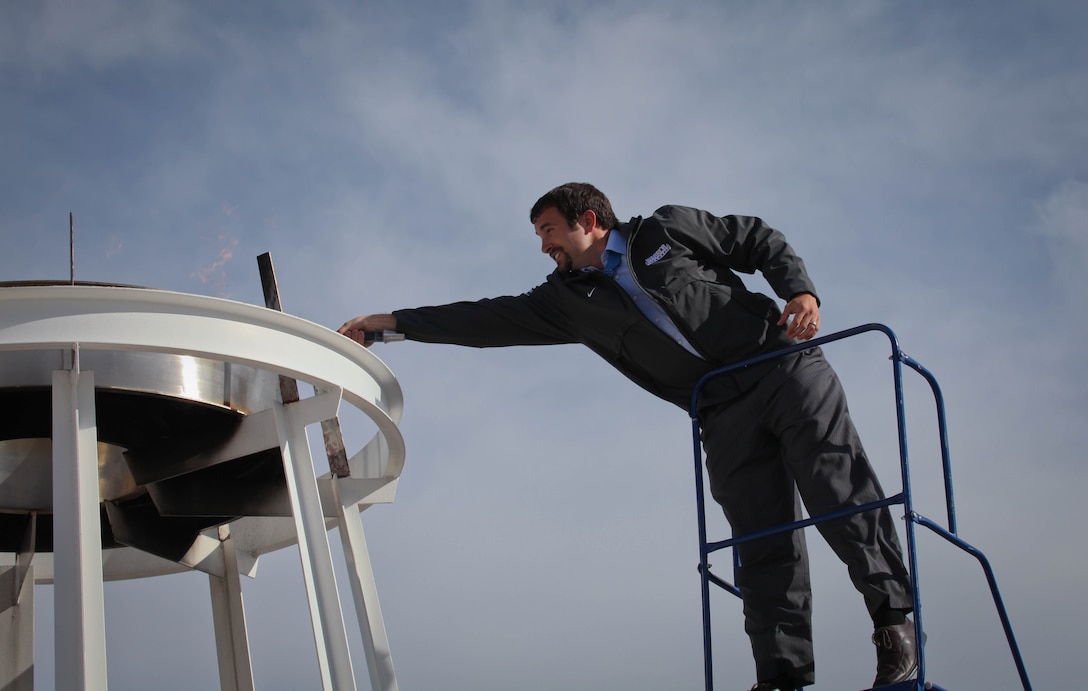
367 608
228 614
330 634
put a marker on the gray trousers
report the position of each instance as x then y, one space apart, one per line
792 435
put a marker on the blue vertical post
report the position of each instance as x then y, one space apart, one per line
704 576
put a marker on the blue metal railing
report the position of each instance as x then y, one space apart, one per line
898 358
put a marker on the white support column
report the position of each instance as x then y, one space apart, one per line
367 609
228 613
17 617
79 616
330 634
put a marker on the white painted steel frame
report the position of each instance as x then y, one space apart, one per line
79 609
334 661
113 318
228 614
17 616
361 576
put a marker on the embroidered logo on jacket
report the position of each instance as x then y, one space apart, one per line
659 254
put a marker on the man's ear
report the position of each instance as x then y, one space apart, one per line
588 219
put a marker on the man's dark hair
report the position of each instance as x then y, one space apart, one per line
572 200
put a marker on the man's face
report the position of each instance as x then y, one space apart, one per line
569 245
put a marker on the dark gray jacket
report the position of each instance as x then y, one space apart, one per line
685 259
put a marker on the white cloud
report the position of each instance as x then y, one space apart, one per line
1063 226
54 35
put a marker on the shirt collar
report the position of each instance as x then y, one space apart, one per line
616 242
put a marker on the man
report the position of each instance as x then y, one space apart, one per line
658 299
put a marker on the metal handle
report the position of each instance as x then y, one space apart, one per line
386 336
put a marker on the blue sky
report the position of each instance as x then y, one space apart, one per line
925 158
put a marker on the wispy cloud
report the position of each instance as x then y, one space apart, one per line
53 35
113 246
1063 226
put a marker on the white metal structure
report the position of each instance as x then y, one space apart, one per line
75 320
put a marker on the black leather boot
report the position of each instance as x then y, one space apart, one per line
896 653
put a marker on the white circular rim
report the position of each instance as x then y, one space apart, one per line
140 319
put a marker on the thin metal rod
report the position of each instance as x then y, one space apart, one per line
805 523
72 278
71 249
330 429
991 579
942 427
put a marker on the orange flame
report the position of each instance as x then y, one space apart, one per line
215 274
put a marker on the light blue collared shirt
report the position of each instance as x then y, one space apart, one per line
645 303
